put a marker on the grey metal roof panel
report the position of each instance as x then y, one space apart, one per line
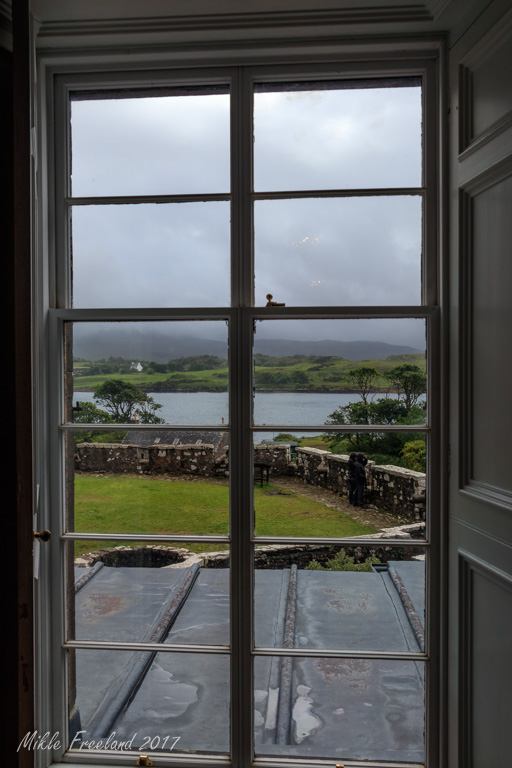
317 707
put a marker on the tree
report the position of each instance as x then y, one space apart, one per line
385 410
123 399
363 381
91 414
410 383
414 455
300 377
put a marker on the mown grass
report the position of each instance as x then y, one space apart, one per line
137 505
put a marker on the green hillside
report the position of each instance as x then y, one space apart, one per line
206 373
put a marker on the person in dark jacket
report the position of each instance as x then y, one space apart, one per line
352 483
360 475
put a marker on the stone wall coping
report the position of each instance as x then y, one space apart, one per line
116 446
341 457
105 445
315 451
394 470
391 469
273 446
188 446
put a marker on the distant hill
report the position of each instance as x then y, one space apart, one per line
138 345
349 350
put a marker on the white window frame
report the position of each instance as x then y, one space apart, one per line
58 72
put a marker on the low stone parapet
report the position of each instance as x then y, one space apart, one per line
387 487
393 488
155 459
277 456
109 457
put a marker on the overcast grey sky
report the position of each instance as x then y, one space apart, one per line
326 251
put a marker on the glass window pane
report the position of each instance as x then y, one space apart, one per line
150 482
353 251
151 255
148 702
351 598
176 143
147 373
154 593
335 135
342 709
339 484
321 372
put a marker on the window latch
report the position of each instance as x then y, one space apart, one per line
144 760
42 535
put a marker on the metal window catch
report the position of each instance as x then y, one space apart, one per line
144 760
42 535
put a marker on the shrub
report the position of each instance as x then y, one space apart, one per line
343 562
414 455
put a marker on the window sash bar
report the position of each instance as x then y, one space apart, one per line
82 427
199 197
316 653
136 314
77 758
256 540
320 653
69 426
164 647
361 541
207 539
421 428
240 354
326 193
148 199
276 762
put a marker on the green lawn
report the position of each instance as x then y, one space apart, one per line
128 504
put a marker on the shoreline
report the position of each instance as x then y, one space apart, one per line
309 391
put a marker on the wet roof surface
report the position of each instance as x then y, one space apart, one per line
319 707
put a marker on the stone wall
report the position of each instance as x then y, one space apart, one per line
387 487
157 459
278 456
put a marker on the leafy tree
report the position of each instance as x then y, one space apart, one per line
299 377
414 455
410 382
269 380
363 380
157 367
385 410
91 414
123 399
